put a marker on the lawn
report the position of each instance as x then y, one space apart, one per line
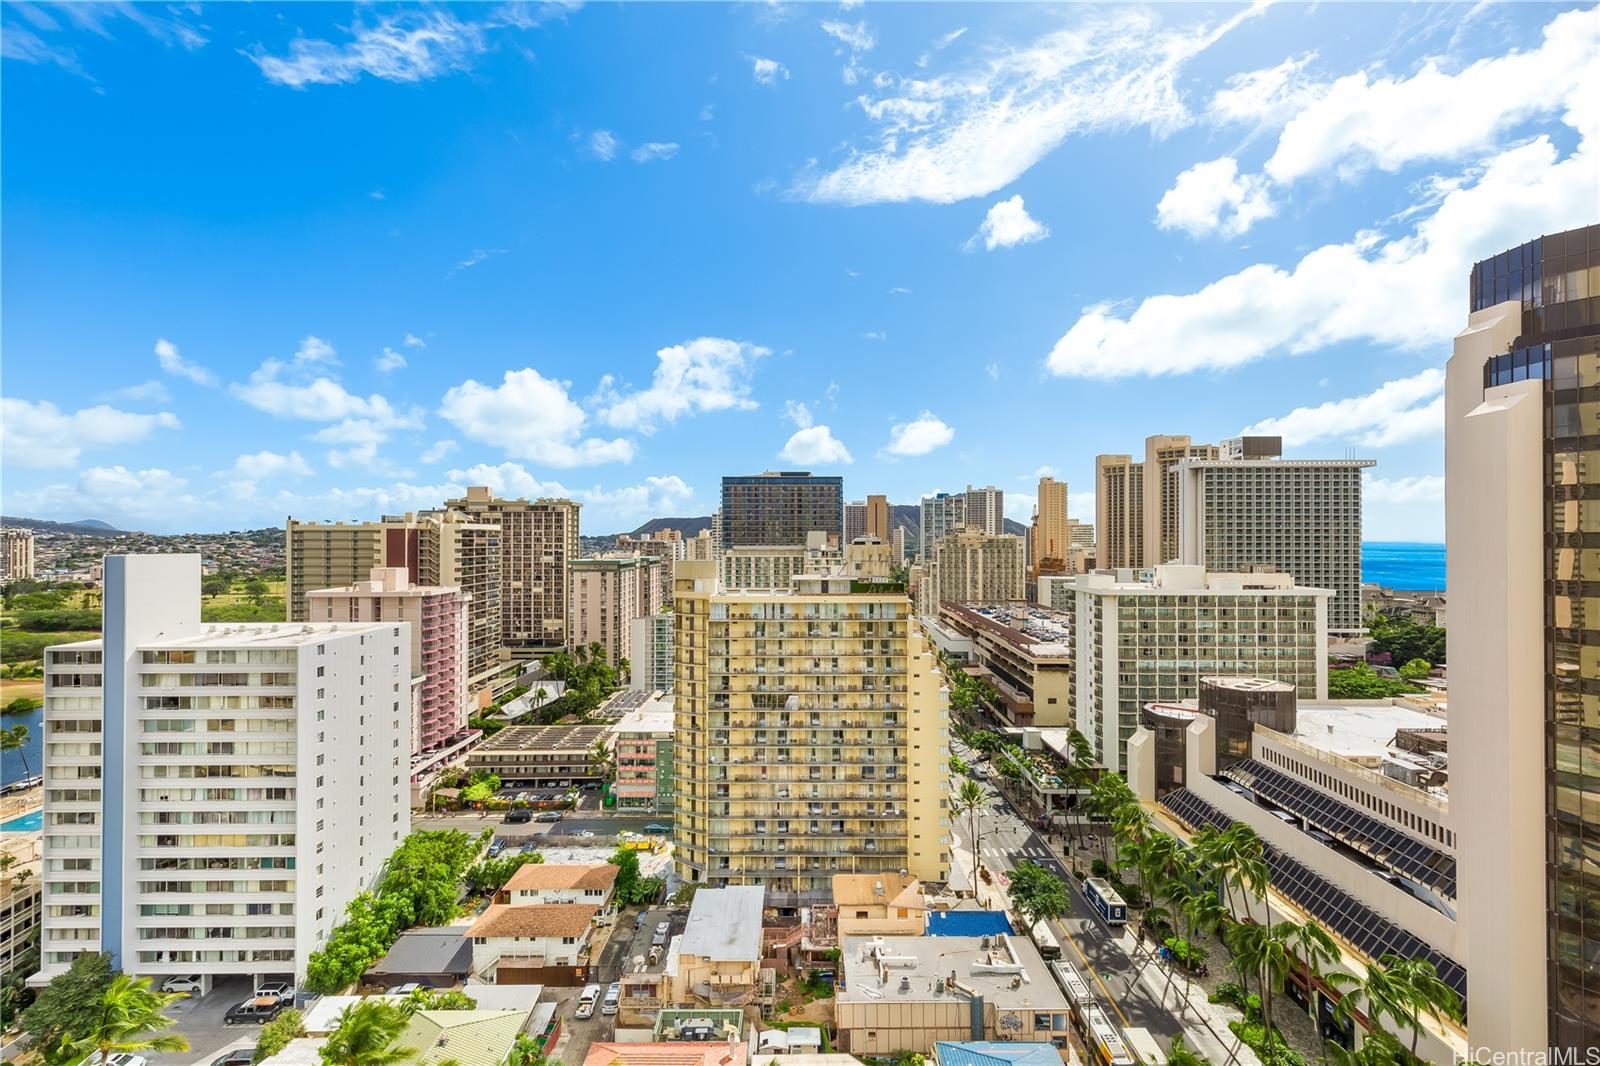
18 647
33 688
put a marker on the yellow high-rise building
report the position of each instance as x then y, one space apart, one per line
1050 533
1119 511
812 735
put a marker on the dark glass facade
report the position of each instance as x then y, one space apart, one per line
1557 280
780 508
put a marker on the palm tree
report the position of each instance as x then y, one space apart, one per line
1203 914
129 1019
1378 1048
1179 1054
970 798
1269 951
1399 989
525 1052
15 739
365 1036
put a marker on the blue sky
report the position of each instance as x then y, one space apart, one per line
337 261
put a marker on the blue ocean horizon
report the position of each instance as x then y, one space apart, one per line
1402 564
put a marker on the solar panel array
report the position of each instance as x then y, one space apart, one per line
1350 825
1371 933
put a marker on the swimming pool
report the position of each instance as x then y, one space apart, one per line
27 823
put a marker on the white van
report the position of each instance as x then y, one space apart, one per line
613 997
586 1001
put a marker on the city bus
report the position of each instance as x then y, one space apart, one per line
1105 1042
1144 1046
1104 899
1043 939
1073 984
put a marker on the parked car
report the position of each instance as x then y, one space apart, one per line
657 828
613 998
118 1058
497 847
586 1002
528 845
281 989
407 989
188 986
239 1057
584 833
547 816
519 815
254 1011
638 921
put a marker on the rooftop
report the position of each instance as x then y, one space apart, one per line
264 634
1174 579
995 1053
1034 630
536 876
676 1053
462 1035
883 890
652 715
533 920
543 738
968 923
725 924
442 949
1358 731
1005 970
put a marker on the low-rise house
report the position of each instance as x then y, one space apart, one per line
884 904
908 993
590 884
531 940
465 1036
439 957
717 960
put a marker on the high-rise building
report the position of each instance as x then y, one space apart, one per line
538 544
986 509
438 549
1299 516
812 736
771 568
215 795
608 595
942 514
880 518
1162 453
650 653
702 545
1119 511
897 545
1080 534
1524 670
16 554
855 520
438 620
1145 641
779 507
971 566
1049 536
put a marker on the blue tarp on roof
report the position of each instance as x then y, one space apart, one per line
967 923
995 1053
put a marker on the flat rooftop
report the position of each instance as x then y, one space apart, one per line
725 924
652 714
1008 973
266 634
1358 731
543 738
1038 631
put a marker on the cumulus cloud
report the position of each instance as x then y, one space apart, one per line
1403 291
172 362
919 436
767 71
125 498
814 446
1214 198
1007 225
262 465
42 435
438 450
531 417
408 46
1267 97
1424 488
694 377
277 389
855 39
650 498
648 153
798 413
972 132
414 341
144 392
1395 412
388 361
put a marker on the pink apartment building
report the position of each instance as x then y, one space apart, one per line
438 617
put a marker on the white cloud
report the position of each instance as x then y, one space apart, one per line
948 39
875 335
1080 505
604 145
1435 115
814 446
1019 507
971 133
42 435
631 503
1269 96
478 255
919 436
175 364
389 360
408 46
438 450
529 417
363 436
798 413
320 399
992 368
1395 412
1214 197
1423 488
1403 291
1007 225
144 392
414 341
700 375
767 71
855 36
264 464
708 112
315 350
899 290
126 498
646 153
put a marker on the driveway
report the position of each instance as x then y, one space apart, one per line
201 1021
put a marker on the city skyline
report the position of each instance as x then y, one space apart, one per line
348 262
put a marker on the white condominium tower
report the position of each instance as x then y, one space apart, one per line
216 794
942 514
812 735
1298 516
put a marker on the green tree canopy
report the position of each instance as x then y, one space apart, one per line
69 1005
1038 894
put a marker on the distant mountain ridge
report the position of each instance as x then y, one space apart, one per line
90 527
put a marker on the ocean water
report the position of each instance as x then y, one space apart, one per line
1403 564
15 765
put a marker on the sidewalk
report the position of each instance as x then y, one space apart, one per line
1205 1024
